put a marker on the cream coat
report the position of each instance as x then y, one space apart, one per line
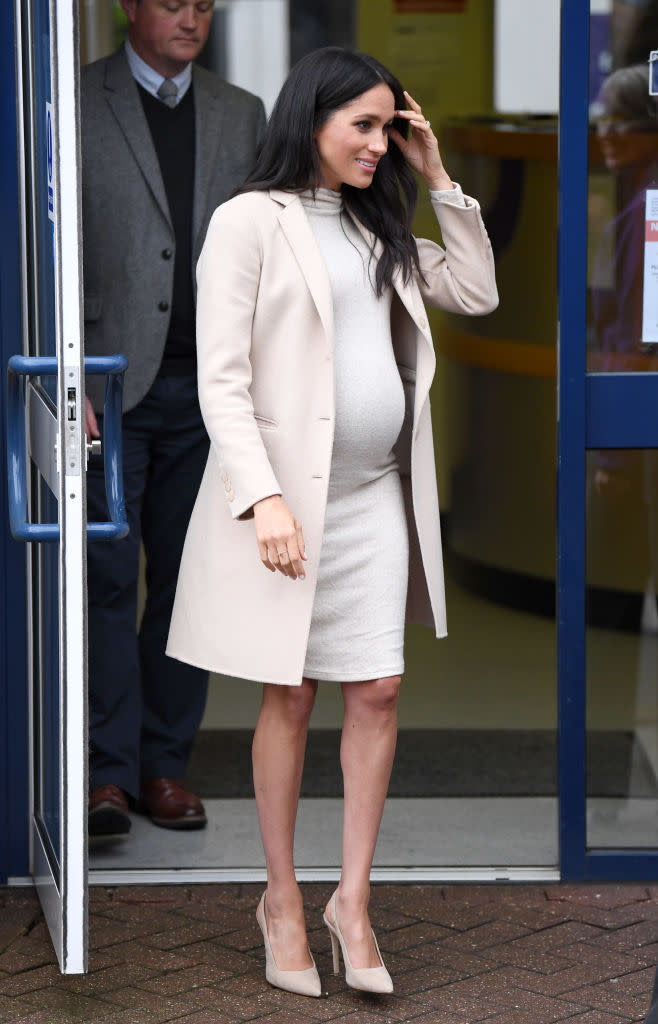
266 386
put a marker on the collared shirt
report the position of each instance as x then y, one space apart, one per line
150 80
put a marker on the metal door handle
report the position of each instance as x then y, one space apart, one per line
18 370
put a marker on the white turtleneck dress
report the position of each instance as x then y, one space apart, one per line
357 627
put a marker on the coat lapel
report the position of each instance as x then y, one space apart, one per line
296 228
425 355
123 99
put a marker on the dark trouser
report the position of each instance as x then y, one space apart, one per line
652 1016
145 708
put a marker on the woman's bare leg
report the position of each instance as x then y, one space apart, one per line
278 761
366 753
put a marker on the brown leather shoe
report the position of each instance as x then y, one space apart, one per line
108 812
170 805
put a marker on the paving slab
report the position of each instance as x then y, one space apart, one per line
458 954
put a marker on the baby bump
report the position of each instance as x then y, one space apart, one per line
369 416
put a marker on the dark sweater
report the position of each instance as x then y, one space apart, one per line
173 134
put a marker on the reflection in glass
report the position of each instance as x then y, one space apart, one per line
634 30
47 696
45 338
622 649
42 341
626 166
622 485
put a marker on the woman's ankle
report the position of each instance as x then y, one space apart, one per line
282 898
355 898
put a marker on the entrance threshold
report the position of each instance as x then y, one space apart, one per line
397 874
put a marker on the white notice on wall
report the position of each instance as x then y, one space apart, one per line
650 289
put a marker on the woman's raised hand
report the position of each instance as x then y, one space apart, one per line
280 538
421 149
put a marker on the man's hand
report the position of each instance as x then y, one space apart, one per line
91 423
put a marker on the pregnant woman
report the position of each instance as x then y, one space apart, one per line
316 529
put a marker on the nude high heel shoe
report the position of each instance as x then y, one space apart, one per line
303 983
366 979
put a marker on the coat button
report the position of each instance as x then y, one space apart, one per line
163 306
166 254
422 323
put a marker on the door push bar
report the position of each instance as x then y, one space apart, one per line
21 367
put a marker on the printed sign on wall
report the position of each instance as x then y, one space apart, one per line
429 6
650 290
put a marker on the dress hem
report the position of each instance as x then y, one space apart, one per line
322 676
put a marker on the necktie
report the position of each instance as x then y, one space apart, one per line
168 92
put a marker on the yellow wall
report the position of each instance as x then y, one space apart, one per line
444 60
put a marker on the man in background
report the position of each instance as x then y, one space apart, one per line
164 142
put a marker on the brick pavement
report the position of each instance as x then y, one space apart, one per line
504 954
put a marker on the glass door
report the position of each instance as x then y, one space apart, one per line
608 438
46 405
474 791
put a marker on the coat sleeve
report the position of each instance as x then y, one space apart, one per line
459 278
228 276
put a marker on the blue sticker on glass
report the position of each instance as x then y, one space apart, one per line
653 73
49 161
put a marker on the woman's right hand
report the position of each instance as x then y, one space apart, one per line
280 538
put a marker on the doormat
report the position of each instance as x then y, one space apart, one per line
436 762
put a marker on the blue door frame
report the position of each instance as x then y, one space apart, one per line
589 415
14 858
595 410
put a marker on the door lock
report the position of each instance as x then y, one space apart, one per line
71 404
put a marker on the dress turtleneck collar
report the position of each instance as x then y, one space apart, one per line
324 201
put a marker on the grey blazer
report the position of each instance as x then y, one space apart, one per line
128 237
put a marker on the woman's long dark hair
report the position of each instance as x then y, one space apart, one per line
320 84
